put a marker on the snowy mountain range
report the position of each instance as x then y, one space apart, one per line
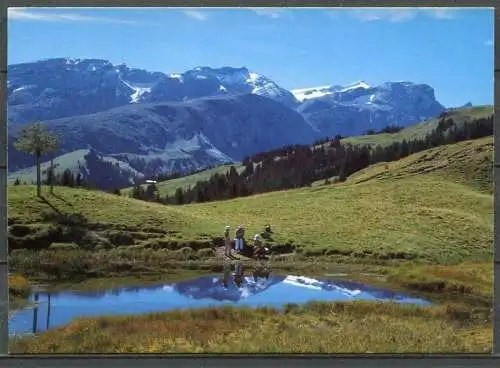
352 110
57 88
151 122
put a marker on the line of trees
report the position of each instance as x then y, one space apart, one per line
66 179
300 165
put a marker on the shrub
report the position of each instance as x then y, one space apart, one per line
19 286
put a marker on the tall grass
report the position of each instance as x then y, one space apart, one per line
315 328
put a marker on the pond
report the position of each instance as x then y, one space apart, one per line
259 287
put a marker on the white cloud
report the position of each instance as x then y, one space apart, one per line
382 14
196 14
489 42
268 12
440 13
401 14
273 13
61 16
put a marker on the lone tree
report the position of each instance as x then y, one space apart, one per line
34 139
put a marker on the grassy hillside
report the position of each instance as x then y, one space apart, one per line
430 216
168 187
443 214
103 211
469 163
460 116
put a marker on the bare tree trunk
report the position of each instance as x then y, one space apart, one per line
52 174
38 177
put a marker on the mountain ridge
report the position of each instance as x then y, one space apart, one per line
64 91
159 138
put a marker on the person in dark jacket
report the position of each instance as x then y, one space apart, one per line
239 238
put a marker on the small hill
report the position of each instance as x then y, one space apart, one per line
427 206
469 163
168 187
460 116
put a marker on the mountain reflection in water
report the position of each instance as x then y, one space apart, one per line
236 285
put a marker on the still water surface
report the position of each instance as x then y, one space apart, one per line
54 309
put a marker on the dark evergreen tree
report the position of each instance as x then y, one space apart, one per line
137 192
179 196
151 192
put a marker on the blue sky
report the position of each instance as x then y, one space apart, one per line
449 48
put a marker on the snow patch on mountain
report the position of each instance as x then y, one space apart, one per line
19 89
359 84
303 94
310 93
138 90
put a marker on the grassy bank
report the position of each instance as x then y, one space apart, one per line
314 328
19 290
